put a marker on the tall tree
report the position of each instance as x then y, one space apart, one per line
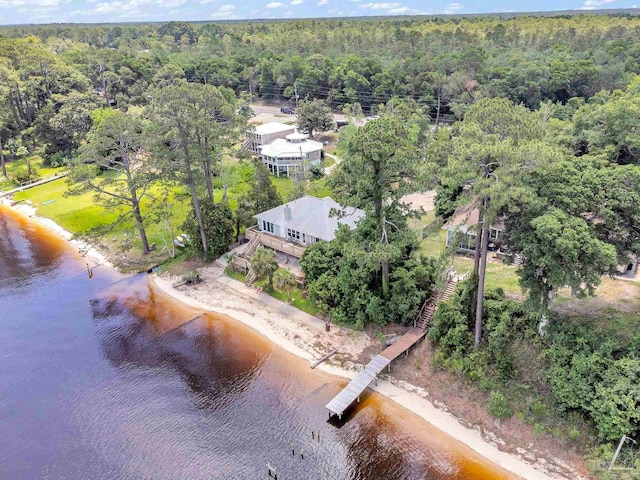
193 123
488 152
116 145
379 168
314 115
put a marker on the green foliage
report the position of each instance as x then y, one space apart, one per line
21 175
591 371
499 406
284 281
264 264
343 278
217 219
314 115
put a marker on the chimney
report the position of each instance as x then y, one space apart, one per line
287 212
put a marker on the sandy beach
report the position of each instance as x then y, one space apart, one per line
304 336
84 249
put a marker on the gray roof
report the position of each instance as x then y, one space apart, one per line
311 215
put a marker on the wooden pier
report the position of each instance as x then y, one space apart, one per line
359 384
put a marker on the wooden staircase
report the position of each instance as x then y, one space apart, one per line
518 259
251 247
247 144
250 278
449 290
429 307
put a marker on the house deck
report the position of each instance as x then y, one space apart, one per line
277 243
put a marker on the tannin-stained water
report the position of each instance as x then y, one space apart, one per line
102 379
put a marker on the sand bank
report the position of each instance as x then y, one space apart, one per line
307 339
84 249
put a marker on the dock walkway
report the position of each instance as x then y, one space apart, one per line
359 384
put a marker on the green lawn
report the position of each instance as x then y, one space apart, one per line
328 161
297 300
36 161
498 274
79 214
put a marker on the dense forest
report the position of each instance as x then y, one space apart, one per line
535 119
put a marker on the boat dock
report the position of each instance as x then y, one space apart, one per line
359 384
351 393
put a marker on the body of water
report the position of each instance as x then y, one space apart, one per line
106 378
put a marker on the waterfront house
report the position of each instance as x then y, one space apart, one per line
282 149
463 228
307 220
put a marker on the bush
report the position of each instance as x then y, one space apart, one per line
218 226
21 175
57 159
499 406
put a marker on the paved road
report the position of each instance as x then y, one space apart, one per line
275 110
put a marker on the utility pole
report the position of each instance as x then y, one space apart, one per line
295 89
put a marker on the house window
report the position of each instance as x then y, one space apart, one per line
268 227
494 234
293 235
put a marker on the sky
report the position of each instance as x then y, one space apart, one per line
108 11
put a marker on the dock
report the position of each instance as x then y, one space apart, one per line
351 393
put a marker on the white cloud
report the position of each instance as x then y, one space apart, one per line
225 12
296 2
592 4
31 3
381 6
399 10
274 5
322 2
202 2
451 8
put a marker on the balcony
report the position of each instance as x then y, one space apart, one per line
277 243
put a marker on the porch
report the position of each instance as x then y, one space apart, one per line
275 242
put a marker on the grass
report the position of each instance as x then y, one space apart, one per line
328 161
296 298
498 274
36 161
79 214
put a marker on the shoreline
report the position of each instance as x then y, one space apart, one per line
284 331
83 248
410 397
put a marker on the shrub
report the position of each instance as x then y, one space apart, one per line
57 159
218 226
21 175
499 406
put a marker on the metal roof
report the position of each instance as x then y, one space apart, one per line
283 148
312 216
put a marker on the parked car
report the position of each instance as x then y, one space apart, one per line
287 110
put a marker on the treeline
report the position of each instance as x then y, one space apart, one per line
443 64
